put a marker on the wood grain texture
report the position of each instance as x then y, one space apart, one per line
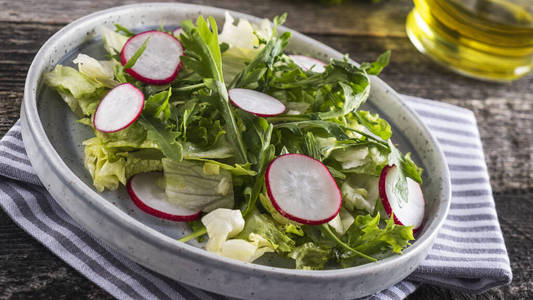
347 19
504 113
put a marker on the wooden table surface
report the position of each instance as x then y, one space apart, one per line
360 28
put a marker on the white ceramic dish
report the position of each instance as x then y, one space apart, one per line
53 142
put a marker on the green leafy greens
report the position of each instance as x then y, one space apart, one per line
214 156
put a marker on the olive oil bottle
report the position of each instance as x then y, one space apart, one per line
485 39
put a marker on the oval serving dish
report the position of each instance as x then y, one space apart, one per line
53 142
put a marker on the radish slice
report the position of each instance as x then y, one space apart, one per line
302 189
119 108
151 198
160 61
407 214
257 103
308 63
178 31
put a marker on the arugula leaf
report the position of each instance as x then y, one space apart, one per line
158 132
257 134
158 106
349 100
126 31
131 62
266 154
202 51
406 168
368 236
197 226
410 169
336 92
263 62
395 159
187 110
202 54
331 128
311 146
376 67
375 124
200 123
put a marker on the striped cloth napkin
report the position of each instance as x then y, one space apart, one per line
469 253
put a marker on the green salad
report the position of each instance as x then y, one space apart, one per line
260 150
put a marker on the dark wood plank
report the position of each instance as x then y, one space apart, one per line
310 16
28 270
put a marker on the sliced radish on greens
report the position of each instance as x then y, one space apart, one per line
146 193
257 103
178 31
410 213
160 61
119 108
308 63
302 189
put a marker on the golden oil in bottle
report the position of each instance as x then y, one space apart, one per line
485 39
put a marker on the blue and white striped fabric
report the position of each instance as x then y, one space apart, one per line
469 253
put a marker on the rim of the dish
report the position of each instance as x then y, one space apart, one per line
129 224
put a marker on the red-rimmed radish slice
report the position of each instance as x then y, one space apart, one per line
308 63
302 189
178 31
407 214
145 192
160 61
257 103
119 108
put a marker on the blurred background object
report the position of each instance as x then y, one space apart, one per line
484 39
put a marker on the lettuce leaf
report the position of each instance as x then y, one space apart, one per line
84 105
309 256
68 79
109 167
80 93
265 226
99 71
221 224
361 159
360 191
342 222
244 41
219 151
188 186
236 169
113 41
246 251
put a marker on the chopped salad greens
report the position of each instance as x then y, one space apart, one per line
218 159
